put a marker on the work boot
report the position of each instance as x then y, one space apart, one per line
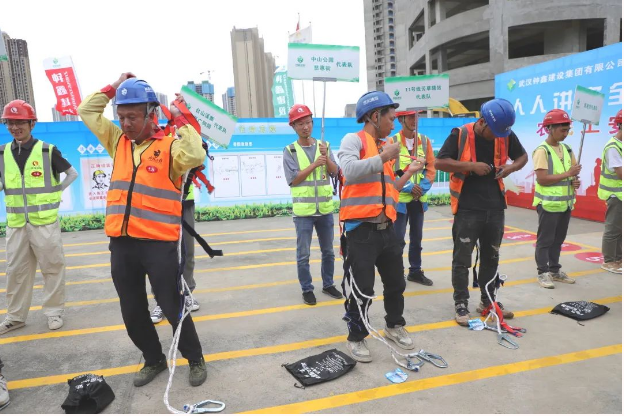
419 277
545 280
333 292
400 336
506 314
149 373
157 315
612 267
562 277
359 351
8 325
55 322
197 372
309 298
4 393
462 315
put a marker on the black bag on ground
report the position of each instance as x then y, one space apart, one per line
580 310
320 368
88 393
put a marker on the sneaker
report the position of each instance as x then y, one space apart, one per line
149 373
8 325
333 292
462 315
191 304
400 336
545 280
4 393
419 277
562 277
157 315
55 322
197 372
506 314
612 267
309 298
359 351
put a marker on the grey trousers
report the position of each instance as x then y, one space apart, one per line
551 233
188 214
612 237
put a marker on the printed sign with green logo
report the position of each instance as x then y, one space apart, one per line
216 124
587 105
420 91
282 91
310 61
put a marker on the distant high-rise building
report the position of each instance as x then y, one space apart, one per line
253 74
349 111
229 101
205 89
56 116
15 79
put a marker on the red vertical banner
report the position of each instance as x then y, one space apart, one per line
62 76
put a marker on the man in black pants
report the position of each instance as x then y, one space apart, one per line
476 155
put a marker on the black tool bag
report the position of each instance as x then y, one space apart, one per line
88 393
580 310
320 368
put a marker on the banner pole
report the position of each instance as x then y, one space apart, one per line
578 161
314 96
303 90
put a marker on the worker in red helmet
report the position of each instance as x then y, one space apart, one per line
610 190
30 175
308 165
556 180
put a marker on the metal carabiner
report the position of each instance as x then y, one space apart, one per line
198 408
434 359
408 362
502 338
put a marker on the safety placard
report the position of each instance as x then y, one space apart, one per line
310 61
587 105
421 91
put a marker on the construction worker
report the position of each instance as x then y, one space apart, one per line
610 190
29 173
368 208
144 215
308 165
476 156
412 198
556 179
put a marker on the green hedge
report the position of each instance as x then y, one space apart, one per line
215 213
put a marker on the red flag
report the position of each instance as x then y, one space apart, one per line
60 72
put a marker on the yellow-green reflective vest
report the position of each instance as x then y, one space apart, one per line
560 196
34 197
610 182
315 193
404 160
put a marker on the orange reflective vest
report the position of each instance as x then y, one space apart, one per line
142 201
369 196
467 153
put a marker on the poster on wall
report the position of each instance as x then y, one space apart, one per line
253 175
537 89
226 176
96 175
276 179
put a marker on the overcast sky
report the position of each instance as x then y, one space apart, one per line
168 43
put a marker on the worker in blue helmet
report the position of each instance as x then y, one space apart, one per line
478 156
368 203
144 215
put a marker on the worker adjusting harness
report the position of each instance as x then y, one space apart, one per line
494 313
184 291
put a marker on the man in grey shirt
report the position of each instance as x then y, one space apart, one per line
308 165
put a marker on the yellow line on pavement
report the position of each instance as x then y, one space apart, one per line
361 396
567 241
254 352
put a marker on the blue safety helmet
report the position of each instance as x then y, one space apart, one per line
370 101
135 91
499 115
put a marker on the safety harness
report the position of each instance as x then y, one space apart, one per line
494 313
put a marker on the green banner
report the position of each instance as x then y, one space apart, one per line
282 90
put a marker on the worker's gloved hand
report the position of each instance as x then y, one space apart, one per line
481 168
390 152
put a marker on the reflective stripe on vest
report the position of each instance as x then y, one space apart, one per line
191 193
35 196
559 196
142 201
404 161
610 182
467 153
315 194
369 196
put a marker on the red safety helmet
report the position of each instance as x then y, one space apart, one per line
556 116
618 117
298 111
18 110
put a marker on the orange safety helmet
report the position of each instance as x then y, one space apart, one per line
556 116
618 117
18 110
297 112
